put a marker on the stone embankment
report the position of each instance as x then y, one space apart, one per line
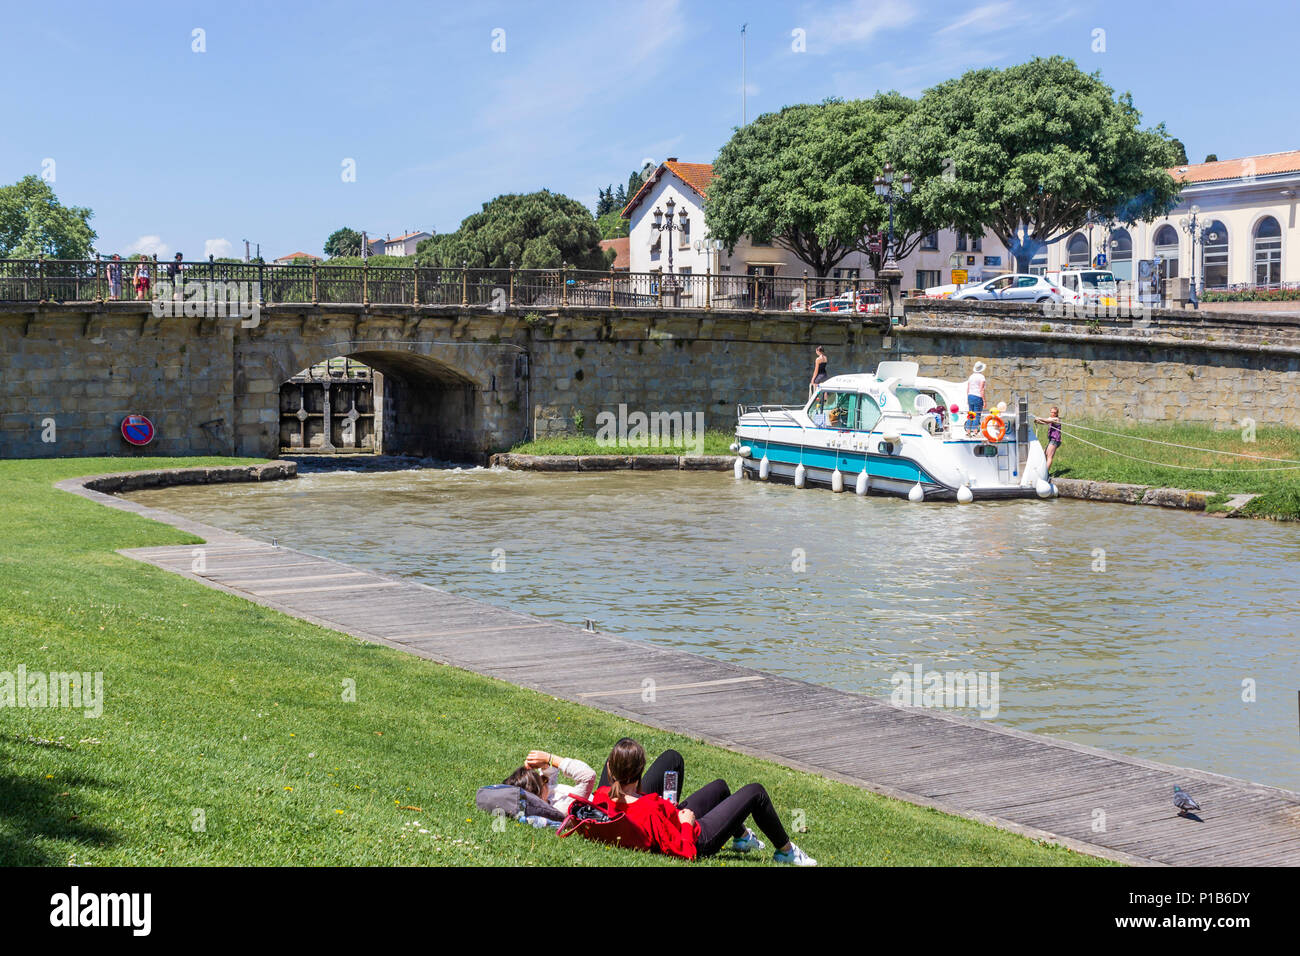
1117 493
165 477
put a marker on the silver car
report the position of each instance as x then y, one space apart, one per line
1017 287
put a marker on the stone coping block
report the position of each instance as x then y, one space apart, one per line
119 482
1132 494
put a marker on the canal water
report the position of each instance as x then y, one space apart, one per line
1149 632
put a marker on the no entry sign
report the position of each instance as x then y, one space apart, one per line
137 430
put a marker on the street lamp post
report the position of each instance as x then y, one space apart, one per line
884 186
669 224
1198 232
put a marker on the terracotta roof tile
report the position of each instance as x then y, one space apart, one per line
695 175
1266 164
622 251
296 255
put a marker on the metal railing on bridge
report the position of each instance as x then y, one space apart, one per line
103 280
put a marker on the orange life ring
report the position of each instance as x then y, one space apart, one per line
994 428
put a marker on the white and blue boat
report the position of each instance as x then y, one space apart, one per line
894 433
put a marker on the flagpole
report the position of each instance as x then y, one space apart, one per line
744 115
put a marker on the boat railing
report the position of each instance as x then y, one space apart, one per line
749 409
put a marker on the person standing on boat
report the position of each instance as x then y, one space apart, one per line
975 396
821 368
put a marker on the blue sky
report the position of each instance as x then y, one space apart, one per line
182 150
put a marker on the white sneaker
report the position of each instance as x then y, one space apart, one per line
796 856
743 844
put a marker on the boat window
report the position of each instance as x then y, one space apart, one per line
843 410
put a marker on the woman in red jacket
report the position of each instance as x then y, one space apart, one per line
703 823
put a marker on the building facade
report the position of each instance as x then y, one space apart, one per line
1245 234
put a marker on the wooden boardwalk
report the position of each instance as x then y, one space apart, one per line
1030 784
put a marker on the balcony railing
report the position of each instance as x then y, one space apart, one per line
103 280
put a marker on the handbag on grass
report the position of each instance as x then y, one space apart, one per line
593 823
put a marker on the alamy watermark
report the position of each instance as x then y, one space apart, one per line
74 690
210 299
948 690
638 429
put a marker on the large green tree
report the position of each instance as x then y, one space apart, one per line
802 178
33 222
343 242
1030 151
538 230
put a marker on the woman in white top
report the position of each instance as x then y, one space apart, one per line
539 772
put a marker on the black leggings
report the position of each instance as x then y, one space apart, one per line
652 781
721 815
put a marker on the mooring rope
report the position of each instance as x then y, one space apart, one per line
1171 444
1162 464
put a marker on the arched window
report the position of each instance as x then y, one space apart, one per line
1268 252
1121 254
1166 247
1077 251
1214 253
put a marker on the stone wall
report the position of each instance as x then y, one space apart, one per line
466 385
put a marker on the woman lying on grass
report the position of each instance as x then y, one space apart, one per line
539 772
705 820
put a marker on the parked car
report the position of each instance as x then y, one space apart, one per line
1092 285
1017 287
868 300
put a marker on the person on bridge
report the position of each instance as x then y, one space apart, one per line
142 278
114 273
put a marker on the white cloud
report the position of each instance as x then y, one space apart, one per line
987 18
856 23
220 248
149 246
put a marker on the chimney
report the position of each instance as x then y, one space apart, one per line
671 159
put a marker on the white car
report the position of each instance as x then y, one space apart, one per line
1017 287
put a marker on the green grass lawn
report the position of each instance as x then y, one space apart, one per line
225 738
716 442
1279 490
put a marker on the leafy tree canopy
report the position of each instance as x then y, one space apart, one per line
1031 150
612 225
343 242
33 222
539 230
802 178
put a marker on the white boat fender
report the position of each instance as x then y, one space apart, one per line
917 493
864 482
800 475
739 468
764 467
735 447
1043 488
964 495
1055 491
837 480
746 452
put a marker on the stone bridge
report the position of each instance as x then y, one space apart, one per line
461 383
